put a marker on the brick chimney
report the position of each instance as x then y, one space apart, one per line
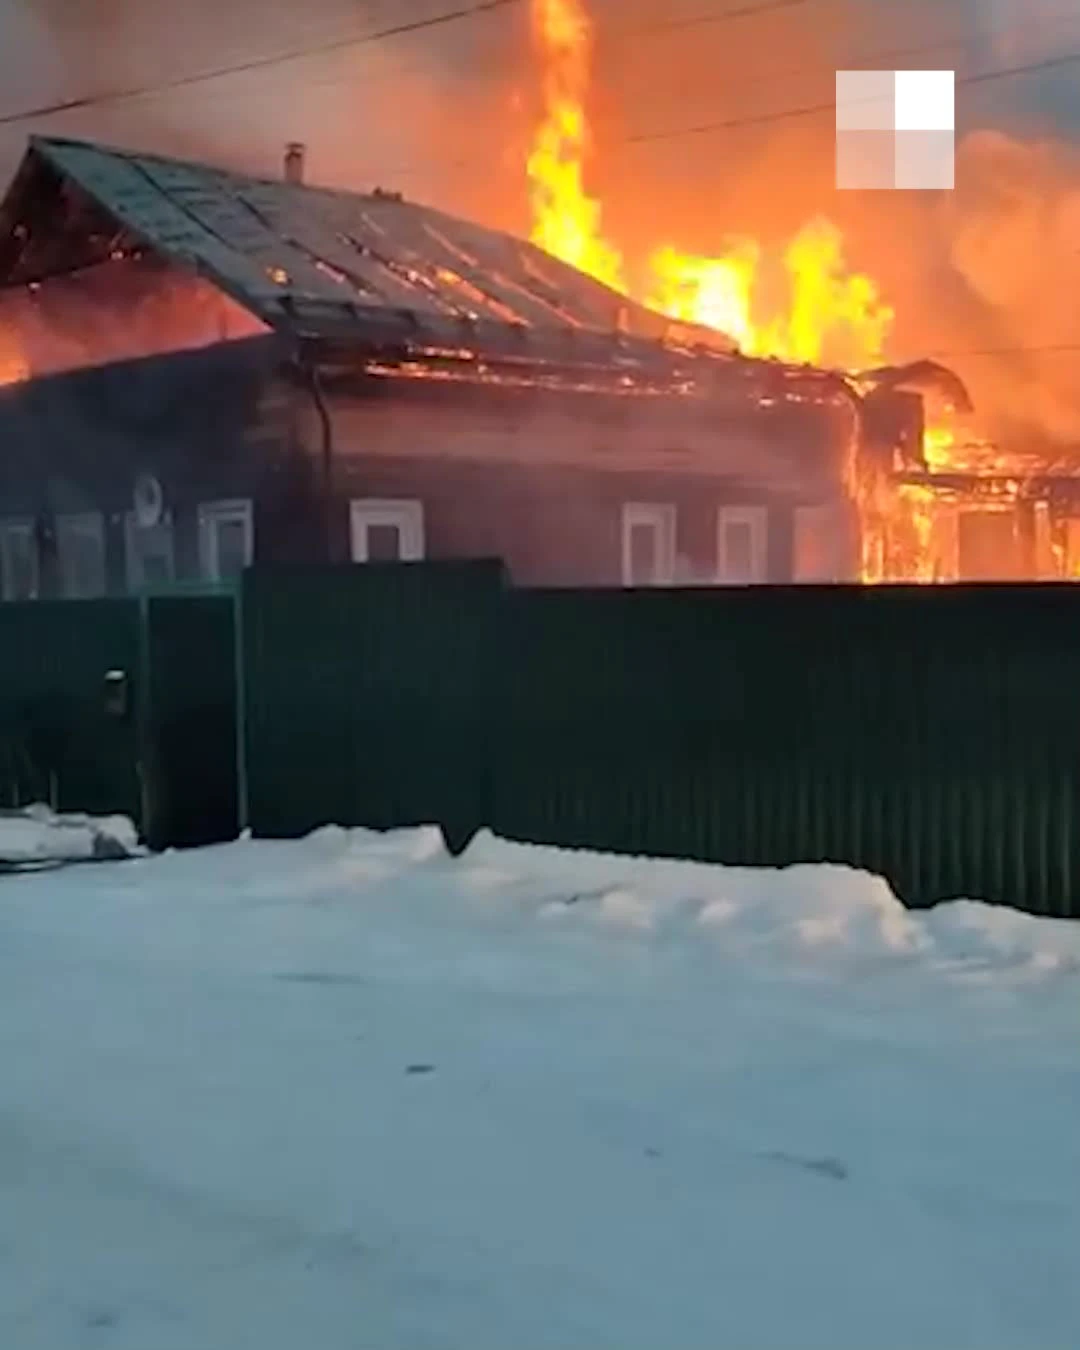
294 162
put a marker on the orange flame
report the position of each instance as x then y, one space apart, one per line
716 292
566 220
13 365
831 316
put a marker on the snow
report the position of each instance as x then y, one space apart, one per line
36 836
350 1092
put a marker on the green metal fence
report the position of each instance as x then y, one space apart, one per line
190 740
57 743
928 734
367 695
168 758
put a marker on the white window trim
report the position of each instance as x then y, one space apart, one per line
406 514
212 514
757 518
662 516
8 530
75 522
136 577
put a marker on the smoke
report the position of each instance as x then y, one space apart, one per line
980 277
371 113
1012 238
446 117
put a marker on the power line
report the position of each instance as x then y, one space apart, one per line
817 109
730 14
344 43
487 6
258 63
872 59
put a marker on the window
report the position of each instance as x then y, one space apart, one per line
80 555
20 566
648 544
150 553
226 539
742 545
383 530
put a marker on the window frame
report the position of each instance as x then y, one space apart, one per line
9 527
72 523
223 511
406 514
133 560
663 517
757 518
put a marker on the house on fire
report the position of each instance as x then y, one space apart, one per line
201 370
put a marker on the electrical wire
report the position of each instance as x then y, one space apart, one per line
818 109
258 63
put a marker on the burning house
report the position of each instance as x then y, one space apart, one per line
202 369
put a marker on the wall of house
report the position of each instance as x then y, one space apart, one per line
541 481
209 425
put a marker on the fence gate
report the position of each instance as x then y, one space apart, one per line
165 755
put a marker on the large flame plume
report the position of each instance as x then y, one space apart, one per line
832 314
826 314
567 219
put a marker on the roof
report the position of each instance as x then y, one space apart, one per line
350 271
321 261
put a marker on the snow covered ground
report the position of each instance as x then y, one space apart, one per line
349 1093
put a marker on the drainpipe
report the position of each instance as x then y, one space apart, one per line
327 453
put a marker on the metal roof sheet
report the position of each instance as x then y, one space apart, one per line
286 250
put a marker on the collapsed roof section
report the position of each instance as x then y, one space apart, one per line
365 276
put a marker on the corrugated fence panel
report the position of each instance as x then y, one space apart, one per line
57 742
928 734
366 699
